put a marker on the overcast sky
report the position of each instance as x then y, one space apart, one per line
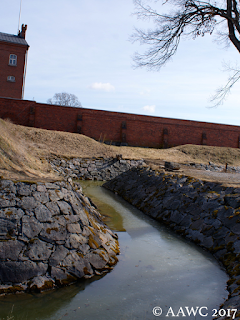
82 47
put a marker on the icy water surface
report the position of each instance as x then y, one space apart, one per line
156 269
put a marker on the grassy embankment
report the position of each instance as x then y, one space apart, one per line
23 152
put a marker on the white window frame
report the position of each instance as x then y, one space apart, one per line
12 59
11 79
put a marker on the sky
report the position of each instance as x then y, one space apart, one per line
83 47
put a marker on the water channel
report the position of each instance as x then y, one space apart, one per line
156 268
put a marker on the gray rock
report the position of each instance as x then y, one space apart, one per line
28 203
39 250
31 227
74 228
195 235
211 205
53 207
186 222
77 265
43 214
197 225
95 260
23 189
236 228
8 228
10 250
221 233
176 217
51 185
216 223
41 196
175 204
167 201
231 221
224 212
55 195
58 274
62 220
72 218
236 246
7 186
40 283
41 188
74 241
65 208
16 272
84 248
232 200
207 242
58 256
7 201
53 232
11 213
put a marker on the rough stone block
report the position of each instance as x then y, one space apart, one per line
65 208
20 271
31 227
39 250
23 189
28 203
10 250
42 197
52 232
58 255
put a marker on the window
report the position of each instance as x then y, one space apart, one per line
11 78
12 60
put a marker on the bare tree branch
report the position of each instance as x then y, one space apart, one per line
188 18
223 92
65 99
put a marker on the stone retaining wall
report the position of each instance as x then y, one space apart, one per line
50 235
204 212
103 169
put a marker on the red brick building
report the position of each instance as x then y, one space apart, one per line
13 62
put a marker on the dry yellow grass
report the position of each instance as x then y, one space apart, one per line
23 151
16 159
217 155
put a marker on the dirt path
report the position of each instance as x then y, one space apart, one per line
226 178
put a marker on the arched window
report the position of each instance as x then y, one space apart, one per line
12 60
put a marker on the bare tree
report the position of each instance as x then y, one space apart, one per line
186 18
65 99
222 92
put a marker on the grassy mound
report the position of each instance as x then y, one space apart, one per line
18 159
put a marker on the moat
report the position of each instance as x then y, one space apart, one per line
155 268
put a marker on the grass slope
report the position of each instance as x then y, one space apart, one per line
23 151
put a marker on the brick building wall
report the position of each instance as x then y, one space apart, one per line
116 127
17 46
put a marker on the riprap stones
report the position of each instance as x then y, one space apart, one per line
94 168
50 235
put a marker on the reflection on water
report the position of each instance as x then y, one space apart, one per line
40 306
111 215
155 268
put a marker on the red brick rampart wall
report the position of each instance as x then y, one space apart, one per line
135 130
